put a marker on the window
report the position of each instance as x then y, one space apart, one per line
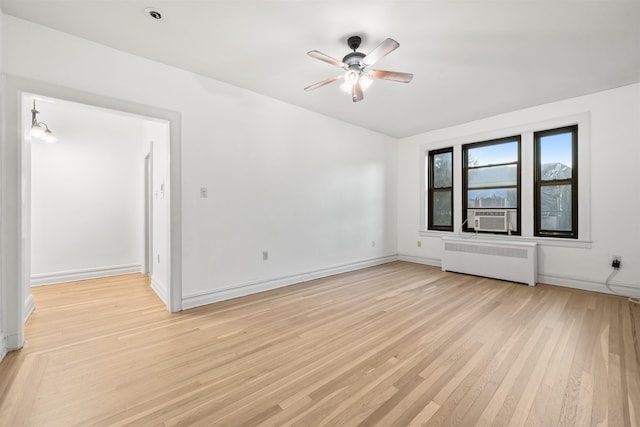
440 202
491 181
556 183
524 183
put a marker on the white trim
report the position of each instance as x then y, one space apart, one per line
14 342
542 241
420 260
235 291
29 306
230 292
553 279
83 274
13 240
3 347
160 289
585 284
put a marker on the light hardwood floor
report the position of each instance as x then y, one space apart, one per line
394 345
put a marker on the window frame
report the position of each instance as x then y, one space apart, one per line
431 189
538 183
496 130
465 182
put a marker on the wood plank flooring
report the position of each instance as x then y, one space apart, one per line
395 345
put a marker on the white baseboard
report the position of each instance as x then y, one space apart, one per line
160 289
586 284
83 274
420 260
12 342
3 345
204 298
574 282
29 306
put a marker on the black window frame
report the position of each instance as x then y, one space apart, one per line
465 182
431 189
539 183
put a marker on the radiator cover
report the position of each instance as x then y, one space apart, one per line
513 261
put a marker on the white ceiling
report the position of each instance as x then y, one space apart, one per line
470 59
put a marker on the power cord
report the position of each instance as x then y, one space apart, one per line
462 235
616 266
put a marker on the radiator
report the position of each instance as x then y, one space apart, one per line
513 261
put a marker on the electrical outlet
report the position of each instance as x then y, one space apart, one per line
616 261
265 255
419 243
373 243
204 193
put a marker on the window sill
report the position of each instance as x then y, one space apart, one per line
542 241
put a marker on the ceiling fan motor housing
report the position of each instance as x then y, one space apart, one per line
354 59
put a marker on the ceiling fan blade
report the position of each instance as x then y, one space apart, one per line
391 75
326 58
357 93
383 49
322 83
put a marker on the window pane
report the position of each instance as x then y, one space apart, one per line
555 156
555 208
442 170
442 208
494 154
493 198
494 176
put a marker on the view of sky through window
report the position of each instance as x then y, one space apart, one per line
493 154
556 149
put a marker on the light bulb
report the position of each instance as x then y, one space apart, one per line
36 131
365 81
351 77
49 137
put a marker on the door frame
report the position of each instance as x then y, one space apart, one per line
15 204
148 212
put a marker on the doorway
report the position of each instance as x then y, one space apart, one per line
88 193
16 201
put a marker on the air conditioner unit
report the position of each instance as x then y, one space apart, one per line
490 220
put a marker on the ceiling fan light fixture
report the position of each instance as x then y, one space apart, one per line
351 77
357 78
365 81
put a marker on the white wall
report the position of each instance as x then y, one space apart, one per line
87 194
313 191
614 193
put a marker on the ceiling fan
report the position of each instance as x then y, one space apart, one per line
356 78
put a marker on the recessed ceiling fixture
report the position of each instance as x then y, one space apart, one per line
40 130
154 14
356 78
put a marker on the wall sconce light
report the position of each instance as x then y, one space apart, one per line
40 130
